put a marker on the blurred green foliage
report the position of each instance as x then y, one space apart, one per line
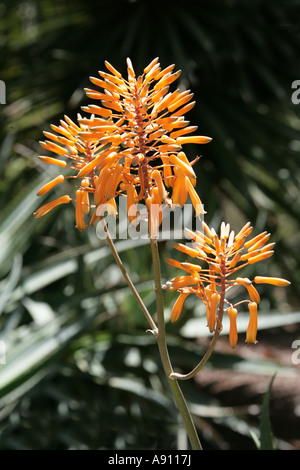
80 371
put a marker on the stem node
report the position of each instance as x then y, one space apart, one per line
154 332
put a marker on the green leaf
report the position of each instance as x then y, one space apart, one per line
28 362
266 434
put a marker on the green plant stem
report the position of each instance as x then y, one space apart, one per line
128 279
159 332
161 341
203 361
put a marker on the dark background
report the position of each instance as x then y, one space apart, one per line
80 370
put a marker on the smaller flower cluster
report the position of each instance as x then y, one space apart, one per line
223 255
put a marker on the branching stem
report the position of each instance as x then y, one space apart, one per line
161 341
159 332
217 332
127 278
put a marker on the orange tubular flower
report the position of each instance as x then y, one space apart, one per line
211 311
132 138
176 311
224 255
48 207
252 325
233 334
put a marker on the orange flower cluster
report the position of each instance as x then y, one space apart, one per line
224 255
131 145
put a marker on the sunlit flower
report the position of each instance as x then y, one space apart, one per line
223 256
252 325
233 334
131 144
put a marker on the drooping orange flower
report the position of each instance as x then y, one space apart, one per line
223 255
131 144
